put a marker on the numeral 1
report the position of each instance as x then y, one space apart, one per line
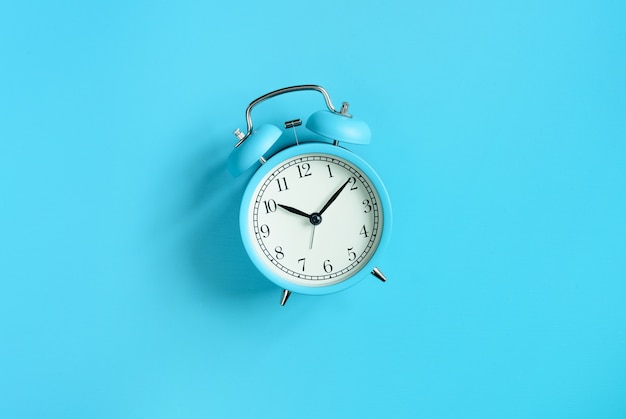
330 173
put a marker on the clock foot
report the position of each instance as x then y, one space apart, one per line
286 294
378 274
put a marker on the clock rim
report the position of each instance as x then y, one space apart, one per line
275 161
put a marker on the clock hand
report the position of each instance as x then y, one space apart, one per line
332 198
294 210
312 237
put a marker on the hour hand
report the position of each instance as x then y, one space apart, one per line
294 210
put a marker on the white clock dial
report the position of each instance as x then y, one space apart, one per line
315 219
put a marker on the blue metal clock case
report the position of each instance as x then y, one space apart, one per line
293 151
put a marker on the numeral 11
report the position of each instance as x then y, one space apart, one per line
282 184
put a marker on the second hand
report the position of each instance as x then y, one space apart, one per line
312 236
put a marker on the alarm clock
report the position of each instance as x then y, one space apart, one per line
314 216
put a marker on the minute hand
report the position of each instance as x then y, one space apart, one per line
332 198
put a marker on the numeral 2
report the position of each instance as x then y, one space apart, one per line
352 180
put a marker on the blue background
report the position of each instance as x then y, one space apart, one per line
498 128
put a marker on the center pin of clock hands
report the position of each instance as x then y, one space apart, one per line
316 217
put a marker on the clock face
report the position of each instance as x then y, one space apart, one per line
314 219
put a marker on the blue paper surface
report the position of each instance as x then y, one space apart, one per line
498 129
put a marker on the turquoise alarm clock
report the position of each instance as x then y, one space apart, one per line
314 216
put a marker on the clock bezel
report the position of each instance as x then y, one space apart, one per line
272 164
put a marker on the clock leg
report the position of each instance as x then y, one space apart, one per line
286 294
378 274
